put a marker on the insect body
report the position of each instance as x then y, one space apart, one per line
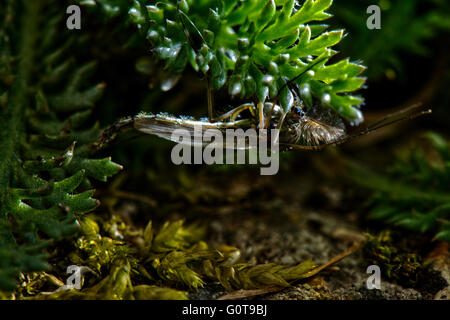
299 128
309 128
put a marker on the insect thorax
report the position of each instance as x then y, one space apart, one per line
314 126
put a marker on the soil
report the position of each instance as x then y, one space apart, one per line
311 213
289 218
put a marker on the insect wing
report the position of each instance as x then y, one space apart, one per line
193 132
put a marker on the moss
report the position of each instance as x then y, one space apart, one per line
151 264
396 261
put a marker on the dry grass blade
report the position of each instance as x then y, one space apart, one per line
241 294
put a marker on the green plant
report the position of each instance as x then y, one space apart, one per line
398 264
46 163
166 261
406 29
415 192
252 47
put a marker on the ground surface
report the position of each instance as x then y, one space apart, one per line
286 219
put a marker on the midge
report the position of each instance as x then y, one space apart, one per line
313 129
298 127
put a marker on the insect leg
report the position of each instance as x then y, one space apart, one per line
234 113
196 47
280 123
261 122
269 116
245 106
300 147
210 98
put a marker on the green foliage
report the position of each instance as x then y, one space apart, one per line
415 192
252 47
406 26
45 164
396 263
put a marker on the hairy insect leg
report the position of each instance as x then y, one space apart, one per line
234 113
300 147
269 116
261 121
279 125
196 45
210 99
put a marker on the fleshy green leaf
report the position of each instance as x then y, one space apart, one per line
241 44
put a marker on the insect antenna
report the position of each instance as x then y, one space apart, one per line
394 114
197 47
289 82
375 126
